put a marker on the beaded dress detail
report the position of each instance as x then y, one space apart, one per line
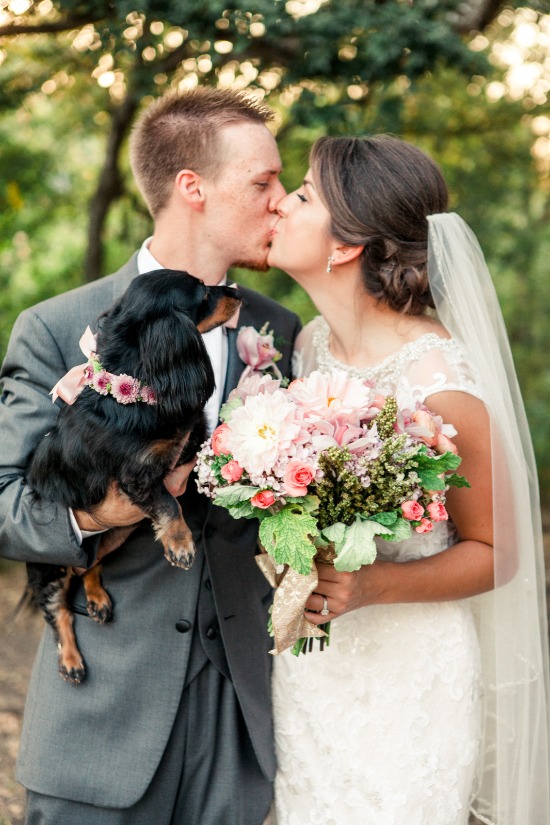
383 726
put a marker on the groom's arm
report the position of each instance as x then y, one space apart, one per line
31 529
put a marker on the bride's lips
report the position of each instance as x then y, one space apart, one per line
272 235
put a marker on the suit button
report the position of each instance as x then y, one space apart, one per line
208 584
183 626
211 633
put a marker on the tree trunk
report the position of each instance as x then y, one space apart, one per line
109 188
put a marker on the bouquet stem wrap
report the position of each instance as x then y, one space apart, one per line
292 590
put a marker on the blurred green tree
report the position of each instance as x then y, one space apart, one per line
443 74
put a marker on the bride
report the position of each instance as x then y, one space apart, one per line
430 704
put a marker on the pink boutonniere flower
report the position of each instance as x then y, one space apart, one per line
257 350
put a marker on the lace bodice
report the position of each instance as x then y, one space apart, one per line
419 369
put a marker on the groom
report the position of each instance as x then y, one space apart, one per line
172 724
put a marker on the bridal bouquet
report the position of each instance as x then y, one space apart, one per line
326 464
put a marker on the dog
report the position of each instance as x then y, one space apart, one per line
135 414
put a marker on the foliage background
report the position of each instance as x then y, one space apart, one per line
468 81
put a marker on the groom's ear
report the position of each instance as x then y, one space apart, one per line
189 187
346 254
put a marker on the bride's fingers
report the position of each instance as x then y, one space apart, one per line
314 605
315 602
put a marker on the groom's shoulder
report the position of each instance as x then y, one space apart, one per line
268 307
88 300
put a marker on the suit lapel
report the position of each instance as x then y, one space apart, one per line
124 276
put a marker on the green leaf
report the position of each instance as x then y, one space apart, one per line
287 536
387 519
234 493
457 481
227 409
400 531
305 504
358 547
431 469
244 509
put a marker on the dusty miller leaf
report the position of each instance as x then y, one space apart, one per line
358 547
234 494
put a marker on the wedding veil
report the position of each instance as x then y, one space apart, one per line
512 783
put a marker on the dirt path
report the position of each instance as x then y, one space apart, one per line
18 641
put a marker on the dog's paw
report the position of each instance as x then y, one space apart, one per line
180 556
100 611
177 541
72 671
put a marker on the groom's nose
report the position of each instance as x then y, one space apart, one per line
278 194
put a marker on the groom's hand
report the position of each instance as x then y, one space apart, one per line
116 510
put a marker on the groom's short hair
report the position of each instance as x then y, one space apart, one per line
181 131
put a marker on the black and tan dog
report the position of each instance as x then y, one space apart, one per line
152 337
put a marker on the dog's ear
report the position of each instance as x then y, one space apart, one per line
219 304
175 363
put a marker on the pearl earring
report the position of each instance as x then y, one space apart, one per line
329 264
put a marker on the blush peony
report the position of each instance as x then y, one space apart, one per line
264 428
331 395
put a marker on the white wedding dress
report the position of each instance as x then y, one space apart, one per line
383 726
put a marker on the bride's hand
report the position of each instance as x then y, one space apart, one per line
347 591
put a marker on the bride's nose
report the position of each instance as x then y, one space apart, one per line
282 206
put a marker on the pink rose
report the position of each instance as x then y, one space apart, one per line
219 440
232 471
445 445
255 349
297 477
263 499
437 511
425 526
412 510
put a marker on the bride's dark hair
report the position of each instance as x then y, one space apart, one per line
379 192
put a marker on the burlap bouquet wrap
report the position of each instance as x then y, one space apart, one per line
292 590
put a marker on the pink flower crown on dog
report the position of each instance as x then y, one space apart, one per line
123 388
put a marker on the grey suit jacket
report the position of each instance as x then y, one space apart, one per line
102 741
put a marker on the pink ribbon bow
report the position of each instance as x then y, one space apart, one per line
72 384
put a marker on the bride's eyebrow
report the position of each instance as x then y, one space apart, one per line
307 182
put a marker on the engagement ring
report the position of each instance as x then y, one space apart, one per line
325 611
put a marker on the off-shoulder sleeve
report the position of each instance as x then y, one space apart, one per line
441 367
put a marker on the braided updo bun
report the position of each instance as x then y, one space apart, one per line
379 192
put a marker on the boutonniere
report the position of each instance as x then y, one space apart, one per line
257 350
